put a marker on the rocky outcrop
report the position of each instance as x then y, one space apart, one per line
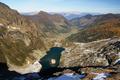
98 53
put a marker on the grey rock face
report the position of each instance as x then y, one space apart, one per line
98 53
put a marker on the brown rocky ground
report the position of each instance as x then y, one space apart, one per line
91 70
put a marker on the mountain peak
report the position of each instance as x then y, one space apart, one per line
43 12
3 5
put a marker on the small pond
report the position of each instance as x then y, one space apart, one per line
52 58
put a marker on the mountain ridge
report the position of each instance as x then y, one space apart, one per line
104 26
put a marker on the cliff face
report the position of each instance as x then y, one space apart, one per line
21 43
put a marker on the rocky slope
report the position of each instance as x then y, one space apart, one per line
21 42
103 27
97 53
84 21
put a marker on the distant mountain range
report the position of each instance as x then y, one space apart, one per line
74 15
67 15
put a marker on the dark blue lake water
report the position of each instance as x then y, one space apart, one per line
52 58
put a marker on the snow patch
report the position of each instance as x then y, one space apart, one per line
117 61
101 76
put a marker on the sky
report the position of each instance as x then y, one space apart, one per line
99 6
